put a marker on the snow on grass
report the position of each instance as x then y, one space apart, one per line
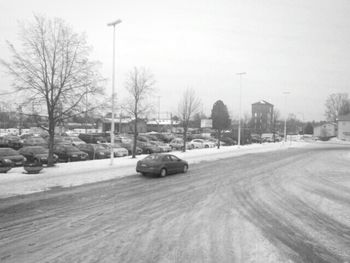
17 182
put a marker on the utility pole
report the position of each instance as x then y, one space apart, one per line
114 23
285 119
171 123
158 113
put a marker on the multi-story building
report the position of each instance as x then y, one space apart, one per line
262 117
344 127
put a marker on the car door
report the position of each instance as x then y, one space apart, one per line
169 164
176 163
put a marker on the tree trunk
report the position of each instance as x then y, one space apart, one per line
135 138
51 140
184 139
219 138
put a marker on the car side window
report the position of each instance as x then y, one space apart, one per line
174 158
166 158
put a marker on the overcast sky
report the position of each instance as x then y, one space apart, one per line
300 46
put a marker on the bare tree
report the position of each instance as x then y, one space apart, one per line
188 106
337 104
139 84
53 68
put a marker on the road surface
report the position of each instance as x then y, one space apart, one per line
283 206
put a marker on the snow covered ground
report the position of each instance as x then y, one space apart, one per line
17 182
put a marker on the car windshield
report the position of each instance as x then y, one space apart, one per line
100 147
7 152
153 157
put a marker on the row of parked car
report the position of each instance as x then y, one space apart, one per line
34 148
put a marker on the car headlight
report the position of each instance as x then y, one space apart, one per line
7 160
24 159
74 155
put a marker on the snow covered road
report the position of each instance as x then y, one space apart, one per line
17 182
278 206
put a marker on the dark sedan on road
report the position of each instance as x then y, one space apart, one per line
69 153
37 154
10 154
161 164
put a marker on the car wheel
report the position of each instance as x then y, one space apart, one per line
163 172
206 146
69 160
185 169
148 151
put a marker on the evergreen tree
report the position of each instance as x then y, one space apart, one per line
221 118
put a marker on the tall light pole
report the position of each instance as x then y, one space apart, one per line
285 119
158 112
240 106
114 23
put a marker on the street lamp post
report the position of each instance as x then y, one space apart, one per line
240 106
114 23
285 119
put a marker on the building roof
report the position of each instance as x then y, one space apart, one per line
163 122
344 117
325 123
263 102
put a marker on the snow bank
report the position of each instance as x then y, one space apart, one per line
17 182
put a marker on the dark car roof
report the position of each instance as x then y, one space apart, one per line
161 155
8 152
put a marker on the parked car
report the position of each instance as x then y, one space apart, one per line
11 154
69 153
255 138
163 146
200 143
164 137
148 147
161 164
118 150
11 141
28 135
228 141
95 151
34 141
73 140
129 146
94 137
5 165
37 154
178 144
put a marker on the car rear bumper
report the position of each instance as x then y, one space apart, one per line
151 170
